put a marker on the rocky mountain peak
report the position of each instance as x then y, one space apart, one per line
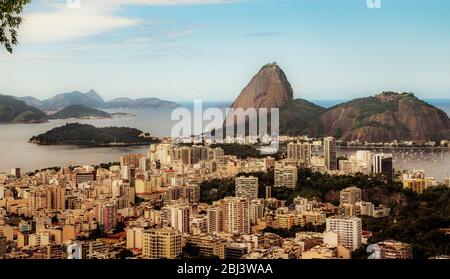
269 88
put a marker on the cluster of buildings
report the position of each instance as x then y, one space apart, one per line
150 205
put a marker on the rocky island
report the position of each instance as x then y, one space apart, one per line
80 112
88 135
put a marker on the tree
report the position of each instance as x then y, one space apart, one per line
10 21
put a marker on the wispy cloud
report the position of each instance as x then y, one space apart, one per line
60 23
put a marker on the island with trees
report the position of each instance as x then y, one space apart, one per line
88 135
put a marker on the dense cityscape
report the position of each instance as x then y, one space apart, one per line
195 201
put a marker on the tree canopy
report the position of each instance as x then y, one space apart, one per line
10 21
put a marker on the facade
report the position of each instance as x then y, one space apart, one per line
106 214
417 185
164 243
2 247
329 152
349 230
285 176
391 249
382 164
350 195
247 187
135 238
215 218
177 217
230 215
208 246
300 151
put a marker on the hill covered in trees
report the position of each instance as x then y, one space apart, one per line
88 135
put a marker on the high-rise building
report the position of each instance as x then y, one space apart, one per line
2 191
58 197
177 217
215 218
135 237
236 215
130 160
256 211
330 155
106 214
229 215
2 247
144 164
300 151
285 176
186 155
349 230
15 172
191 193
199 153
382 164
247 187
85 177
268 192
162 243
215 153
350 195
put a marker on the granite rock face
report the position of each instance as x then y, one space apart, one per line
269 88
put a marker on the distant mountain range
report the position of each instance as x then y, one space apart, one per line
382 118
15 111
93 99
69 105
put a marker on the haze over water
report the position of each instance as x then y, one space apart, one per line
15 151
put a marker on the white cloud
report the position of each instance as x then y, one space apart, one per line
94 17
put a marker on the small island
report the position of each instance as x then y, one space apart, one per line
80 112
123 114
88 135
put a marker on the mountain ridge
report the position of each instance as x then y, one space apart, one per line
385 117
93 99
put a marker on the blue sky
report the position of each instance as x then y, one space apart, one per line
209 49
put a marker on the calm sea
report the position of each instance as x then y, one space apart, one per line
15 151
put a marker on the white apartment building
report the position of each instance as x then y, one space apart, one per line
349 230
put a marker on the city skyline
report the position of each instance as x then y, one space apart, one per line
212 48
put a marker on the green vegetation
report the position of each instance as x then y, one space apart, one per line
300 117
374 119
421 224
416 219
88 135
15 111
10 21
313 185
79 111
216 189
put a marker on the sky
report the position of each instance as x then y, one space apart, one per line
183 50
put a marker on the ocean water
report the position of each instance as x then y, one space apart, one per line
15 151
